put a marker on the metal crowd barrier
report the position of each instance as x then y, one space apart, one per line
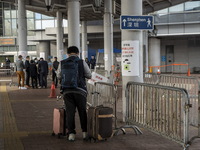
151 78
191 84
162 109
7 75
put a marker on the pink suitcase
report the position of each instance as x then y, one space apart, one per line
59 127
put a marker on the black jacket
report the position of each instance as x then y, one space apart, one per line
55 65
33 70
27 65
43 67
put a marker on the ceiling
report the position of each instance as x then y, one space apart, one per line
88 11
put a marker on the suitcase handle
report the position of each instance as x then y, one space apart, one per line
106 116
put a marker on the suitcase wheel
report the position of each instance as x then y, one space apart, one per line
53 134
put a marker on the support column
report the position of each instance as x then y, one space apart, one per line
132 8
44 48
73 23
108 35
84 40
59 39
22 29
154 53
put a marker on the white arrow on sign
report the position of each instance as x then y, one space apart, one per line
124 21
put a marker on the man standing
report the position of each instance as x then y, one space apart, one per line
43 71
72 72
54 69
92 62
7 61
20 73
27 67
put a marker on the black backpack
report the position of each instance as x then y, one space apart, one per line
70 72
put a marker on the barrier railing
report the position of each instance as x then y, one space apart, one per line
7 75
162 109
191 84
151 78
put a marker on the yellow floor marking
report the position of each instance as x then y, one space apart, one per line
10 132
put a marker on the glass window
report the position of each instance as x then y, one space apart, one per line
14 13
12 48
177 8
47 17
29 14
38 16
30 24
163 11
38 24
5 48
14 26
47 23
7 14
6 6
190 6
65 23
7 27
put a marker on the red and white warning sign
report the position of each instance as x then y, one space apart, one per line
97 78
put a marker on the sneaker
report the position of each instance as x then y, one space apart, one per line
85 136
19 87
23 88
71 137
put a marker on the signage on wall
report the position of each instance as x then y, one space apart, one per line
7 41
130 58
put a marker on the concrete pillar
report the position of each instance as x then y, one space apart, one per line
133 7
44 48
84 40
59 39
22 29
73 23
154 53
108 35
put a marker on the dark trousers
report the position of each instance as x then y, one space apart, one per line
34 81
27 78
73 101
54 78
43 79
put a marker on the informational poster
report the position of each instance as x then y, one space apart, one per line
42 55
130 58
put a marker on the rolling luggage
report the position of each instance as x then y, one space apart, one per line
59 122
100 123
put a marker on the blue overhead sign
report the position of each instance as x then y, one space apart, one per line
136 22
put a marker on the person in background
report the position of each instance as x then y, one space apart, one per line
43 71
87 62
54 69
33 74
92 62
7 61
20 73
27 67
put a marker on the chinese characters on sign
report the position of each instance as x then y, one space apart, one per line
137 22
130 58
